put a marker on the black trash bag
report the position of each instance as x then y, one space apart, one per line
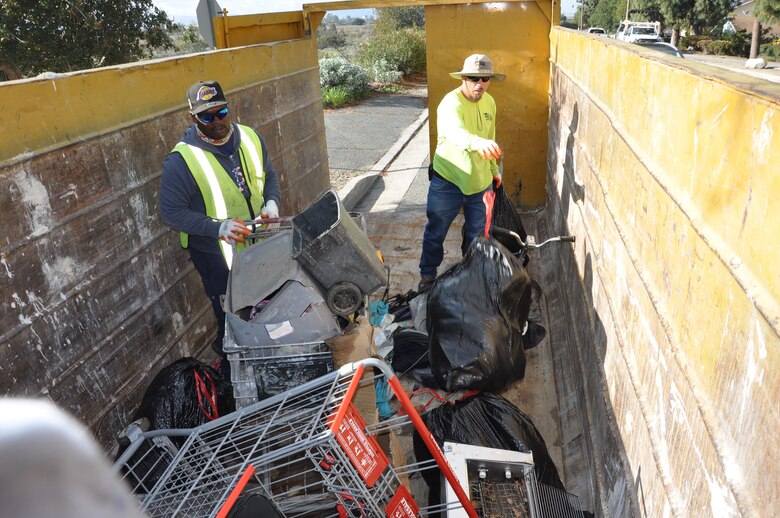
505 215
254 505
509 240
186 394
476 313
410 357
504 219
486 420
410 350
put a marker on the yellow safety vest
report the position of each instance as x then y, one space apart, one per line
221 195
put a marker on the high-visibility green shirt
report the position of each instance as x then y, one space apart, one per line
221 195
460 125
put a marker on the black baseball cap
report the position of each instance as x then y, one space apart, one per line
204 95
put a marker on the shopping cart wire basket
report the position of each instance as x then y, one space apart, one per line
307 450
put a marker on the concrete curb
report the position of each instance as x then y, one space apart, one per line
352 193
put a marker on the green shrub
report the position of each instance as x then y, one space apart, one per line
330 53
729 44
335 96
727 47
771 51
338 72
403 50
384 73
693 43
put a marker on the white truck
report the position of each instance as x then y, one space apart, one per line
638 32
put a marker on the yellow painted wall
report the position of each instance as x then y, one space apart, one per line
97 293
515 36
66 108
250 29
666 170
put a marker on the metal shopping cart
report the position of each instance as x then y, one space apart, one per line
307 450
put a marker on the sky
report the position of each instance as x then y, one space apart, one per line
186 8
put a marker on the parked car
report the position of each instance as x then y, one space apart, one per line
596 30
660 46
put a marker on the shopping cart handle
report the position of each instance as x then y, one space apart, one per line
265 221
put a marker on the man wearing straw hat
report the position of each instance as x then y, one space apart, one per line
464 164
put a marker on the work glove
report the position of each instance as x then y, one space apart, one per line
496 182
233 230
269 210
488 149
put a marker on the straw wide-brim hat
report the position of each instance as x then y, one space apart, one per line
478 65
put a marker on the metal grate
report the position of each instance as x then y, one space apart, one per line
503 499
547 501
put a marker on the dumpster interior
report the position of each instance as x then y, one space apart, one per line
520 451
547 393
658 368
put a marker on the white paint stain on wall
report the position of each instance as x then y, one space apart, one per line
178 322
8 271
36 202
61 272
722 502
141 216
762 139
716 119
755 354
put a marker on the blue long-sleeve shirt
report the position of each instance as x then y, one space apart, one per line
181 203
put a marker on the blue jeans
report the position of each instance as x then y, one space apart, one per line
214 274
444 201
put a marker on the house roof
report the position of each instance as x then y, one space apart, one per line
742 16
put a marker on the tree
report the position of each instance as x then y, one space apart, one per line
400 18
708 14
678 15
192 41
328 36
65 35
608 14
765 11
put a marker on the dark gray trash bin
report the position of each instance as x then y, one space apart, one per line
331 246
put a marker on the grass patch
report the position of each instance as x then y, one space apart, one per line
335 96
389 89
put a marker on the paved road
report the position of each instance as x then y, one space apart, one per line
358 136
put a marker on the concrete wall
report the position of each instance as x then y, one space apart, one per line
666 170
97 295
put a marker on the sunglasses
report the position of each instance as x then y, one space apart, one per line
477 79
208 118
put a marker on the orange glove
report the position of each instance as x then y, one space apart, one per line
488 149
233 230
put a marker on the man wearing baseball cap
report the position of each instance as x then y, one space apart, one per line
217 177
465 162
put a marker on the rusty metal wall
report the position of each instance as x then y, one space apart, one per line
97 294
666 172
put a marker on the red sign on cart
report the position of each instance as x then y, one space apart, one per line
363 450
402 505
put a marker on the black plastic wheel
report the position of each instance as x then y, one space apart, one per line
344 298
